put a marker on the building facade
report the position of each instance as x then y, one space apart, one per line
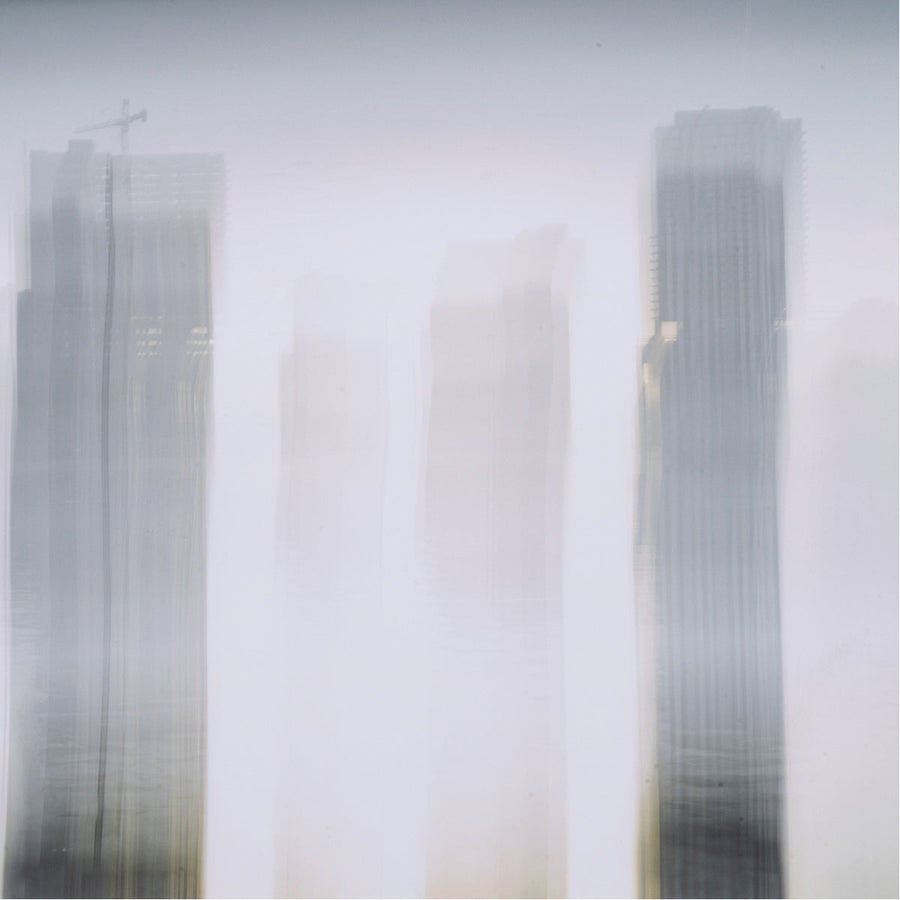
331 612
107 523
494 480
707 552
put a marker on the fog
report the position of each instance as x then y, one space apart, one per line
380 355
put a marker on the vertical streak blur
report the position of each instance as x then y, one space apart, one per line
707 552
334 434
497 438
107 523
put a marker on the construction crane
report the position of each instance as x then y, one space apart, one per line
123 122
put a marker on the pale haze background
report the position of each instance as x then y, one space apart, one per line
360 139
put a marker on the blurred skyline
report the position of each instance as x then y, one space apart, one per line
360 140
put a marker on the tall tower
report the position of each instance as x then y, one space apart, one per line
495 470
107 523
334 427
707 518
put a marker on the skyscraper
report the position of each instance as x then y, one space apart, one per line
107 524
707 518
331 614
497 433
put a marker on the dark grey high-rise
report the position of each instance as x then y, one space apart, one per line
707 544
107 523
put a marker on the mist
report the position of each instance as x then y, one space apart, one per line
420 651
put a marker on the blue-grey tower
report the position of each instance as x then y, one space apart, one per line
107 527
712 379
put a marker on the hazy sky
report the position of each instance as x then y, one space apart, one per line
393 127
360 138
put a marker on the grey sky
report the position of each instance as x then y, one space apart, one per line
440 120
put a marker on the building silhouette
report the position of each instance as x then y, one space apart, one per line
107 523
497 433
707 554
330 643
